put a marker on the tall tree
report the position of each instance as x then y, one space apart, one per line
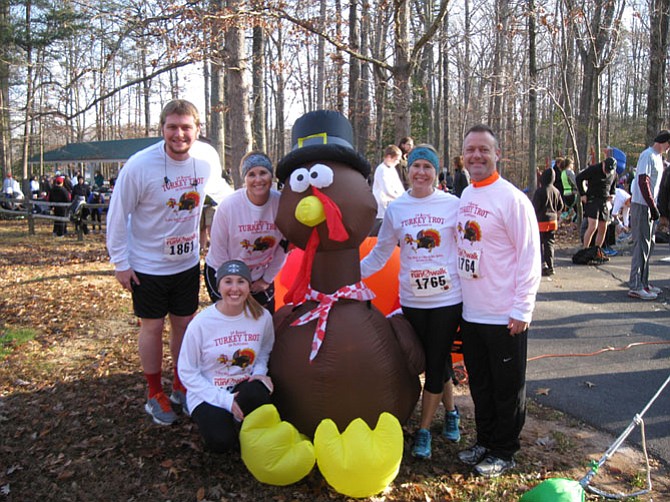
364 107
596 24
258 89
321 63
498 79
658 52
217 125
237 91
532 98
446 108
354 71
6 44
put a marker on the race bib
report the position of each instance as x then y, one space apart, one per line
178 246
429 281
468 263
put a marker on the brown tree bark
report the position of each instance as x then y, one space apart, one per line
658 50
237 92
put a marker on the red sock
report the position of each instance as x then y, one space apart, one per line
155 384
176 383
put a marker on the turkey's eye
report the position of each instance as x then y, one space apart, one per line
299 181
320 176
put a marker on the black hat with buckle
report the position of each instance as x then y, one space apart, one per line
322 135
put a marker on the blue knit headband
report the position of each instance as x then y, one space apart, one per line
424 153
256 160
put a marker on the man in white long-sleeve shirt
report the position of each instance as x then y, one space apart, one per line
500 271
387 186
152 240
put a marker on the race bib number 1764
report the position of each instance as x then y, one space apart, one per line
468 263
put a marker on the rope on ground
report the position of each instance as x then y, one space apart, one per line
590 354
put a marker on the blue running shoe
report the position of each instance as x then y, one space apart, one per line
452 420
422 441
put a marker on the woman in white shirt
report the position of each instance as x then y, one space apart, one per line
244 229
423 222
223 361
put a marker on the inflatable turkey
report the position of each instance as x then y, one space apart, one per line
335 355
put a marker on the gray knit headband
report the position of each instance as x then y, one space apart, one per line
256 160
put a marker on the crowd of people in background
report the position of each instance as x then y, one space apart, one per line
56 194
620 206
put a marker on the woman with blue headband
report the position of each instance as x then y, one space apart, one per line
244 229
423 222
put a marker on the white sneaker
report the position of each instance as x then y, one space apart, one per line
654 289
642 294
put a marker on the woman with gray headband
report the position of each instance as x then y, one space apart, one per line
244 229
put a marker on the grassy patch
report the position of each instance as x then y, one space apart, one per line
12 338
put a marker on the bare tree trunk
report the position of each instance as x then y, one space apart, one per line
446 111
281 125
597 120
5 137
363 131
238 97
532 99
658 49
321 64
378 33
498 80
340 61
260 140
216 128
354 71
146 94
466 65
207 77
217 124
401 76
29 90
597 42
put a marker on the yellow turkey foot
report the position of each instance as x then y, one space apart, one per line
274 451
359 462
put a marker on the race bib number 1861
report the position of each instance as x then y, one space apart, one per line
179 246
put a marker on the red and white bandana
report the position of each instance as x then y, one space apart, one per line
358 291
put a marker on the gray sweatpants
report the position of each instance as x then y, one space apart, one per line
642 230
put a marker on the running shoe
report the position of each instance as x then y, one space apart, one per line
422 442
160 409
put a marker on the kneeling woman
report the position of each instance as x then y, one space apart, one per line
223 359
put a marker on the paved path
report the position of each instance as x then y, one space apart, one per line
583 309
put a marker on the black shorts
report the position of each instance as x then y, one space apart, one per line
597 209
159 295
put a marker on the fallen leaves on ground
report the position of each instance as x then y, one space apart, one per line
72 424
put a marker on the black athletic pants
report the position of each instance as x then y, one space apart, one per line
496 365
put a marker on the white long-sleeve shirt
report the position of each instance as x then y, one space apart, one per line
498 254
386 187
425 229
220 351
153 226
619 205
244 231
